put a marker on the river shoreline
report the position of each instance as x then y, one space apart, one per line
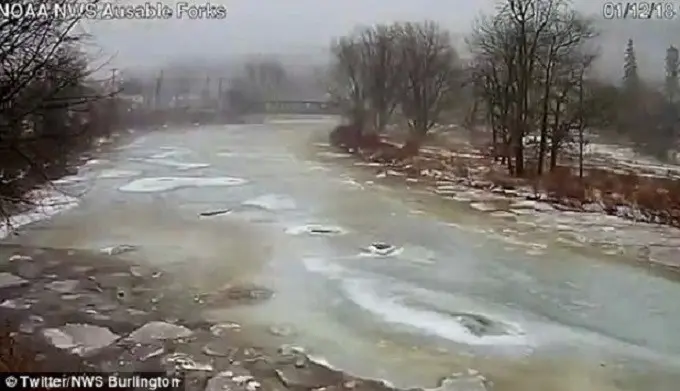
449 173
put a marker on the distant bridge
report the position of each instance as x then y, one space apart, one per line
299 107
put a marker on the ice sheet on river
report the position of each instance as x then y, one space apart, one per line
161 184
459 326
466 328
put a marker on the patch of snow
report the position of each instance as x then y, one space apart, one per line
70 179
161 184
530 204
20 258
118 174
49 204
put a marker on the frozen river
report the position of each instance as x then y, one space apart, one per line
521 300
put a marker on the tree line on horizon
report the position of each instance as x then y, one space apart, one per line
529 80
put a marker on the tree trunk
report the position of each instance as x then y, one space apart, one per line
544 124
556 139
580 152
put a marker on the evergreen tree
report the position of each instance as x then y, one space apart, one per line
672 66
631 79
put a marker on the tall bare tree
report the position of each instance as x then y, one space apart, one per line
347 80
379 46
47 100
432 74
525 55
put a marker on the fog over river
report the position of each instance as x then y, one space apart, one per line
444 288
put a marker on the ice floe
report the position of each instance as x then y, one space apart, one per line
81 339
155 331
161 184
315 229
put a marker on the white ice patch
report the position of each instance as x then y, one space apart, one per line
175 164
49 203
315 229
70 179
161 184
118 174
272 202
393 311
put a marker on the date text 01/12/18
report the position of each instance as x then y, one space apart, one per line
640 10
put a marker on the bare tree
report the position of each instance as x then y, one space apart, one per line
526 55
347 80
493 45
267 77
46 99
432 75
379 46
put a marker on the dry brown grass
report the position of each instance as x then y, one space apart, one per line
654 196
14 357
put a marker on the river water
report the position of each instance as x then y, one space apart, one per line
462 290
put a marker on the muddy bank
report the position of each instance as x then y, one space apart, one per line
82 310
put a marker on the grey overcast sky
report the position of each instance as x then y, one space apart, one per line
301 26
255 26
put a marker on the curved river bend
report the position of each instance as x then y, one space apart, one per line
461 290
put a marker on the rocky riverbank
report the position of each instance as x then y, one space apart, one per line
84 310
